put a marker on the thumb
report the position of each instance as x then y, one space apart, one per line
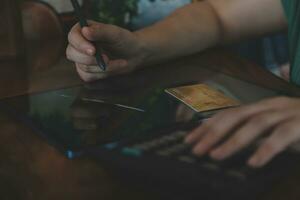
101 33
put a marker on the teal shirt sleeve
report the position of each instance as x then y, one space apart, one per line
292 11
286 5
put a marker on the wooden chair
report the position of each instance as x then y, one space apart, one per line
10 31
40 21
43 34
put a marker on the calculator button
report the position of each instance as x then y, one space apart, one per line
132 152
179 148
236 174
210 166
164 153
146 146
111 146
168 138
165 140
175 149
187 159
179 134
143 147
248 171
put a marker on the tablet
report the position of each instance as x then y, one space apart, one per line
78 118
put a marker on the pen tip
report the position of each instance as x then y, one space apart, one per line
100 62
103 67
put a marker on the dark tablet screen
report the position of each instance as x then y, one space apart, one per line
76 118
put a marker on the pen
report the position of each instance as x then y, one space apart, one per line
83 23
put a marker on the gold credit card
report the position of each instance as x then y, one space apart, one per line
202 97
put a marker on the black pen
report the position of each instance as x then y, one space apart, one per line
83 23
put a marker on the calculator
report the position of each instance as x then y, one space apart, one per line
163 159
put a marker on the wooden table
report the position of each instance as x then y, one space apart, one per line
32 169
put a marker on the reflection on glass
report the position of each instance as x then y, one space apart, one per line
71 123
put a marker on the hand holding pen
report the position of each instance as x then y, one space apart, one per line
84 23
123 50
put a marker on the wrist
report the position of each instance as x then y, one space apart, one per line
144 52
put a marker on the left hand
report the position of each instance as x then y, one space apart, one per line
279 116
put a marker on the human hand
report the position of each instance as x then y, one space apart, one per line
123 51
279 116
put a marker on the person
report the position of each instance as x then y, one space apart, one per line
194 28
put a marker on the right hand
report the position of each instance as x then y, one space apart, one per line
122 50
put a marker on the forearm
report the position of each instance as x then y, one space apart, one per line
183 32
206 24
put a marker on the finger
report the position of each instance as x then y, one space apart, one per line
78 57
282 137
88 76
223 121
282 103
113 67
198 132
77 40
105 33
221 125
93 73
117 66
257 125
92 69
